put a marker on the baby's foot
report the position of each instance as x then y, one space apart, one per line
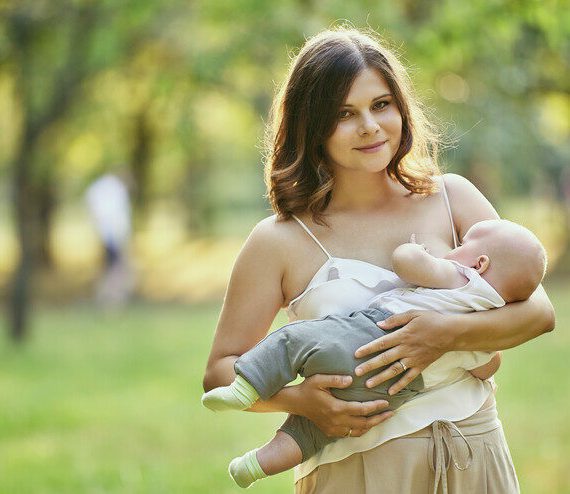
239 395
245 470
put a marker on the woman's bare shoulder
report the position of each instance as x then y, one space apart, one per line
272 229
468 204
268 254
457 184
273 234
461 190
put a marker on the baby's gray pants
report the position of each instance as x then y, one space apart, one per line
320 346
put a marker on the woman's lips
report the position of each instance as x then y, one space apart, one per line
372 148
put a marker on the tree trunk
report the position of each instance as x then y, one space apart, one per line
33 207
25 204
139 165
46 198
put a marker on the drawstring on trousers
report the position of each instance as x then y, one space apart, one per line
442 440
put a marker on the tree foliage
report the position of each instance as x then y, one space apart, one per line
178 91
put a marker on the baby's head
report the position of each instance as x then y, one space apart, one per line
508 256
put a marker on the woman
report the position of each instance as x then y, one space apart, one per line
352 173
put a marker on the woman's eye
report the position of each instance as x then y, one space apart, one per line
343 115
381 105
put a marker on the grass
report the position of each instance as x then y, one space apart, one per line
109 403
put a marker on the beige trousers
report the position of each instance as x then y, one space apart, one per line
469 456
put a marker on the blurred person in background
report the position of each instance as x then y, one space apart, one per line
109 206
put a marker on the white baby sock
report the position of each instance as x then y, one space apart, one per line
239 395
245 470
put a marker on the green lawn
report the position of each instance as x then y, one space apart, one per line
109 403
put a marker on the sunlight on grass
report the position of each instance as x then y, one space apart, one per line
110 403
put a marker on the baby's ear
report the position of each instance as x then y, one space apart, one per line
482 264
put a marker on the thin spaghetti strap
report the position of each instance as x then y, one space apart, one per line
453 231
304 227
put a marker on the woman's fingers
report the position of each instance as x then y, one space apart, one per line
388 373
362 409
390 340
354 416
377 419
357 422
378 345
398 320
385 358
369 422
325 381
336 417
406 379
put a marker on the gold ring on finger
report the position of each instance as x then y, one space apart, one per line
404 368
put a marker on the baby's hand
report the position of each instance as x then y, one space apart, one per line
414 241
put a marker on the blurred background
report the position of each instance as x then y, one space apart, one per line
131 173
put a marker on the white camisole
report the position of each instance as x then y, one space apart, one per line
340 287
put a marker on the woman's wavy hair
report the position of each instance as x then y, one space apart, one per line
305 114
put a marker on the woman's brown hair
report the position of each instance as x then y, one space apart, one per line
305 114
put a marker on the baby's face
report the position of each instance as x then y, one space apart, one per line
516 254
476 241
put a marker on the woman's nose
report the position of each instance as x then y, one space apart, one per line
369 124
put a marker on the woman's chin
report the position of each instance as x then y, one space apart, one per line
365 168
374 169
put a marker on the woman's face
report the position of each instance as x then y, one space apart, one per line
369 126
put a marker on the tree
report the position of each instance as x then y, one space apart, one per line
33 192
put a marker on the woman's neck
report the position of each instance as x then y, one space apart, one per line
362 191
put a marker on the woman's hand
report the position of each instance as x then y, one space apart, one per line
424 337
333 416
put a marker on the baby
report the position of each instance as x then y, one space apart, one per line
499 261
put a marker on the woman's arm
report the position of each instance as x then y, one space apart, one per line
507 327
427 335
252 300
513 324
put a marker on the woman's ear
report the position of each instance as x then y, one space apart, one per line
482 264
